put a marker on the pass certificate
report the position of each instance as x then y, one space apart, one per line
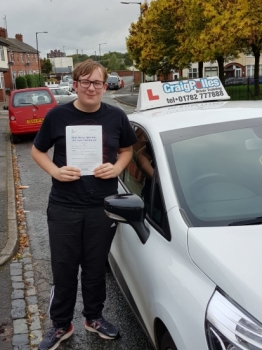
84 147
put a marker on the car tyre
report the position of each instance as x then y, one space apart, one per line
167 342
15 139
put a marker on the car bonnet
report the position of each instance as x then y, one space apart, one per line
231 257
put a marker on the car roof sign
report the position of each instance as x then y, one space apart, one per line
163 94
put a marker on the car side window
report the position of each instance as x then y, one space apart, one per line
141 177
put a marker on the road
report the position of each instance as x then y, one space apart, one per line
116 309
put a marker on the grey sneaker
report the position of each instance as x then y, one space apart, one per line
104 329
54 336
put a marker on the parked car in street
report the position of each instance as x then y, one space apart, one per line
252 80
64 85
114 73
71 88
113 82
63 96
27 109
187 251
236 81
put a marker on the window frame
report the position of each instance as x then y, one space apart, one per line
2 53
164 229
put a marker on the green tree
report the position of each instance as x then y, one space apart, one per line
21 82
152 42
113 63
46 66
77 58
248 27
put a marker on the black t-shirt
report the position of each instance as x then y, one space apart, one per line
117 133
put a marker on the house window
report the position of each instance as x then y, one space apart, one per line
211 71
17 56
2 54
12 57
22 57
2 82
250 70
193 73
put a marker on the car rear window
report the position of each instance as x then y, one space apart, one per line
31 97
112 80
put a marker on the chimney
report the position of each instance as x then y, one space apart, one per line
3 33
19 37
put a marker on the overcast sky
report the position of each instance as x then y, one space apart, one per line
71 24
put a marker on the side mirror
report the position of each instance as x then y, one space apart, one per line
128 208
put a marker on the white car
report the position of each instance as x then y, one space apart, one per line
63 96
187 251
65 85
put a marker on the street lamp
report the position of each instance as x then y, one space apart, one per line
133 2
64 49
38 58
100 51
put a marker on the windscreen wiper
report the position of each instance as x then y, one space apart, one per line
255 221
29 103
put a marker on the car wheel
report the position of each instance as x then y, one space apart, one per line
15 138
167 342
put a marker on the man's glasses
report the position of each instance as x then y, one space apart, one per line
86 83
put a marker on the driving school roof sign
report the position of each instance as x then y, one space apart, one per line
158 94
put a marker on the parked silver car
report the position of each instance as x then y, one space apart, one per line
63 96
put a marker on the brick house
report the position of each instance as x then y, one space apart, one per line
22 59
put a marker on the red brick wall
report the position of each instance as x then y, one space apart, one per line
2 95
124 73
20 66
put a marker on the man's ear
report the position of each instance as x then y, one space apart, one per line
75 84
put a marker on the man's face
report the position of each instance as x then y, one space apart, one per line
90 97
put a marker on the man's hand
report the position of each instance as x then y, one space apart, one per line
107 171
66 174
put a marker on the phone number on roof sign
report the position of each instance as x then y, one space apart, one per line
201 96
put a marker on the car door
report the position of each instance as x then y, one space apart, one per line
135 263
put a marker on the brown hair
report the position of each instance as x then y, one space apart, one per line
87 67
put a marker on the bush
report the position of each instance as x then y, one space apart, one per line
29 80
21 83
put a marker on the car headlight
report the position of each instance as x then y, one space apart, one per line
230 328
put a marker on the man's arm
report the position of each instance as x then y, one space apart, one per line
108 170
64 174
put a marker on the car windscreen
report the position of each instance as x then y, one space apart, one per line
217 171
112 80
31 97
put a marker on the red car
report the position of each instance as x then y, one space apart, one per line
27 110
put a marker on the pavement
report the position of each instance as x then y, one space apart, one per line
20 326
126 98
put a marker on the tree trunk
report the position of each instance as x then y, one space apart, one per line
200 69
220 61
256 52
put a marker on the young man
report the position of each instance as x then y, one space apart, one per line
80 233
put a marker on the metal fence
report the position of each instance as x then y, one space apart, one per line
244 88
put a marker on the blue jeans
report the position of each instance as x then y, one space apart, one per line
78 237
